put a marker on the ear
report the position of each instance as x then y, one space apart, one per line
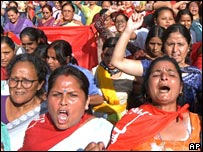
155 21
40 85
181 87
87 103
102 55
67 59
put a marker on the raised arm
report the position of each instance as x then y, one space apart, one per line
130 66
78 4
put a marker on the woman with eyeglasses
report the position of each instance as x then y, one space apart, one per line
66 126
26 79
47 19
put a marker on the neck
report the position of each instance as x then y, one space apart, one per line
168 107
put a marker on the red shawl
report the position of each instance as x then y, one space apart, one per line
141 124
42 134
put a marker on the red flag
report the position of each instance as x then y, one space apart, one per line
82 40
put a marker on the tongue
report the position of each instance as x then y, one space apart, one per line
62 118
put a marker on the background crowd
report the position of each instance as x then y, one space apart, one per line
145 93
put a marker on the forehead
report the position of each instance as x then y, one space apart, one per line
67 6
177 35
165 12
164 64
24 65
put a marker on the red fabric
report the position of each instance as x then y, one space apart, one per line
31 11
195 56
13 37
141 124
3 73
82 39
43 135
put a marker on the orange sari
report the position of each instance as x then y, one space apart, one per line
141 124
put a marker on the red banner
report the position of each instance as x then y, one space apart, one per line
82 40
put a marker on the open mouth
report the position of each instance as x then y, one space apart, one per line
62 116
164 89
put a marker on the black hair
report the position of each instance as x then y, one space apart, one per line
40 51
9 41
177 28
69 71
155 31
63 49
68 3
183 12
110 42
159 10
14 9
34 34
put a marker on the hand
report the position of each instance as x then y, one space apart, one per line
134 22
95 146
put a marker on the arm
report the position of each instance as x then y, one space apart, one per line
177 5
129 66
78 4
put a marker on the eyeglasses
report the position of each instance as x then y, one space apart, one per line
12 82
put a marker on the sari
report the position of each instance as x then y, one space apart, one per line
143 123
42 134
49 22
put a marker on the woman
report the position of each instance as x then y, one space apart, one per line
59 53
163 16
115 85
16 23
31 38
7 53
26 77
66 126
153 45
176 42
160 124
67 11
48 19
185 18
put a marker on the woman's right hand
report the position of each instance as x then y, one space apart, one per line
95 146
134 22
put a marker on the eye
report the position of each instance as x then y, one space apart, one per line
56 94
73 95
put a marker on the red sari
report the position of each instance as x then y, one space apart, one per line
41 134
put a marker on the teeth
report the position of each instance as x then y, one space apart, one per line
164 89
63 111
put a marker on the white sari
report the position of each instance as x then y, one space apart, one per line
17 128
95 130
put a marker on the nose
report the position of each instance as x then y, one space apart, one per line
63 102
175 48
164 76
19 84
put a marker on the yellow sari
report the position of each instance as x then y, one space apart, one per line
112 107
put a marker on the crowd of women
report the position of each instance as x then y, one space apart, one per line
144 94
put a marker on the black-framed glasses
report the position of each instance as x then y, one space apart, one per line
12 82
